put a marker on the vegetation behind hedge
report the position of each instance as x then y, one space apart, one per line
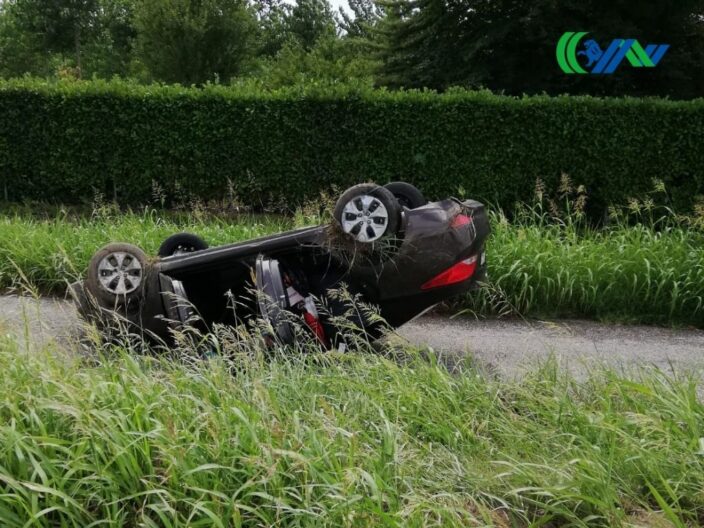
65 141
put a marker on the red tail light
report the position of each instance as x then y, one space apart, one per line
459 272
460 220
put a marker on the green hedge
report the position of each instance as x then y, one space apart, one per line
64 141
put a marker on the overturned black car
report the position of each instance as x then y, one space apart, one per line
386 246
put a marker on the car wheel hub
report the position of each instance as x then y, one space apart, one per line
120 273
365 218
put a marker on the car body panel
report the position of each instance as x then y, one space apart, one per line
212 258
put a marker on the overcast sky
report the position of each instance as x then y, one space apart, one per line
338 3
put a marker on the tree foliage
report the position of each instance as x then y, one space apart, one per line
309 21
271 17
364 16
505 45
193 41
58 25
330 61
301 24
110 52
78 37
509 45
19 48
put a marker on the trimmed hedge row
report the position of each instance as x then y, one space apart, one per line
64 141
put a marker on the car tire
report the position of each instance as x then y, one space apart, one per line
181 243
378 213
116 275
407 195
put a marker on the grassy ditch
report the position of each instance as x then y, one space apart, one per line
649 272
310 439
642 267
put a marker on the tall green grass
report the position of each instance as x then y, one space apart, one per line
339 440
46 252
641 272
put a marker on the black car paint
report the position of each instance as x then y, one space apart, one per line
429 245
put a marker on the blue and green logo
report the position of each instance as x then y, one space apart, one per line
599 61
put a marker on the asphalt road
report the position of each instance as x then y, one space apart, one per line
505 347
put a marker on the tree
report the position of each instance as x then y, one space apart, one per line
110 52
296 26
310 20
59 26
332 60
272 34
509 45
194 41
424 43
301 45
518 53
19 49
40 37
364 17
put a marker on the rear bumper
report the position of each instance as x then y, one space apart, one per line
402 295
401 310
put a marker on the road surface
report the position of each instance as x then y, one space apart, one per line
504 347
